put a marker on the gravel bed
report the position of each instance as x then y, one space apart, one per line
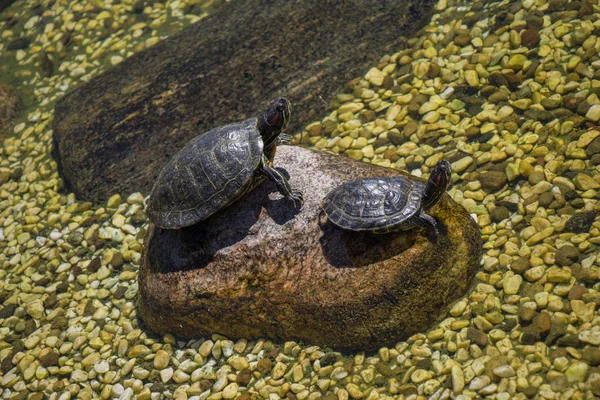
507 92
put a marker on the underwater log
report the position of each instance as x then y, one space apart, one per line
114 133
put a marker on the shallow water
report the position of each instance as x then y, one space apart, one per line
507 92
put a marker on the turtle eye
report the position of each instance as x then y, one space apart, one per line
279 107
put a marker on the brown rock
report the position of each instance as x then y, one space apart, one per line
536 177
542 324
534 22
499 214
462 39
493 180
530 38
478 336
591 355
497 79
526 314
50 359
115 132
259 270
546 199
557 331
568 340
396 138
264 365
520 265
577 291
243 377
566 255
581 222
6 363
594 147
529 337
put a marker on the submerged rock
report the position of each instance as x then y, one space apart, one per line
261 269
115 132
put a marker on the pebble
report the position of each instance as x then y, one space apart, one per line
516 62
462 164
458 379
166 374
238 363
375 77
472 78
102 367
581 222
585 182
593 114
161 360
230 391
504 371
577 371
278 370
590 337
178 376
79 375
556 275
420 375
512 284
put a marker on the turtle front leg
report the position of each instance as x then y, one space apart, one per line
283 138
283 186
427 221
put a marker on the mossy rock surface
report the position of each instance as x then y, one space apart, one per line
261 269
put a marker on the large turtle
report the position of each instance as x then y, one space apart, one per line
216 168
386 204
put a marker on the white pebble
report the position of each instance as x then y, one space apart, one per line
55 235
447 93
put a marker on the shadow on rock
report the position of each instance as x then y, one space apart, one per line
280 210
195 246
343 248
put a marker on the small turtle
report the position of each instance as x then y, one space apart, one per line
216 168
385 204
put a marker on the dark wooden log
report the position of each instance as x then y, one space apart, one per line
114 133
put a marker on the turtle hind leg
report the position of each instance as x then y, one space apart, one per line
283 186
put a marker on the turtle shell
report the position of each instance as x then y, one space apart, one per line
377 204
211 171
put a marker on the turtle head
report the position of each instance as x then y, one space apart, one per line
271 123
437 184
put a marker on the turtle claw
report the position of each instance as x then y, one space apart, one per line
284 138
297 197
